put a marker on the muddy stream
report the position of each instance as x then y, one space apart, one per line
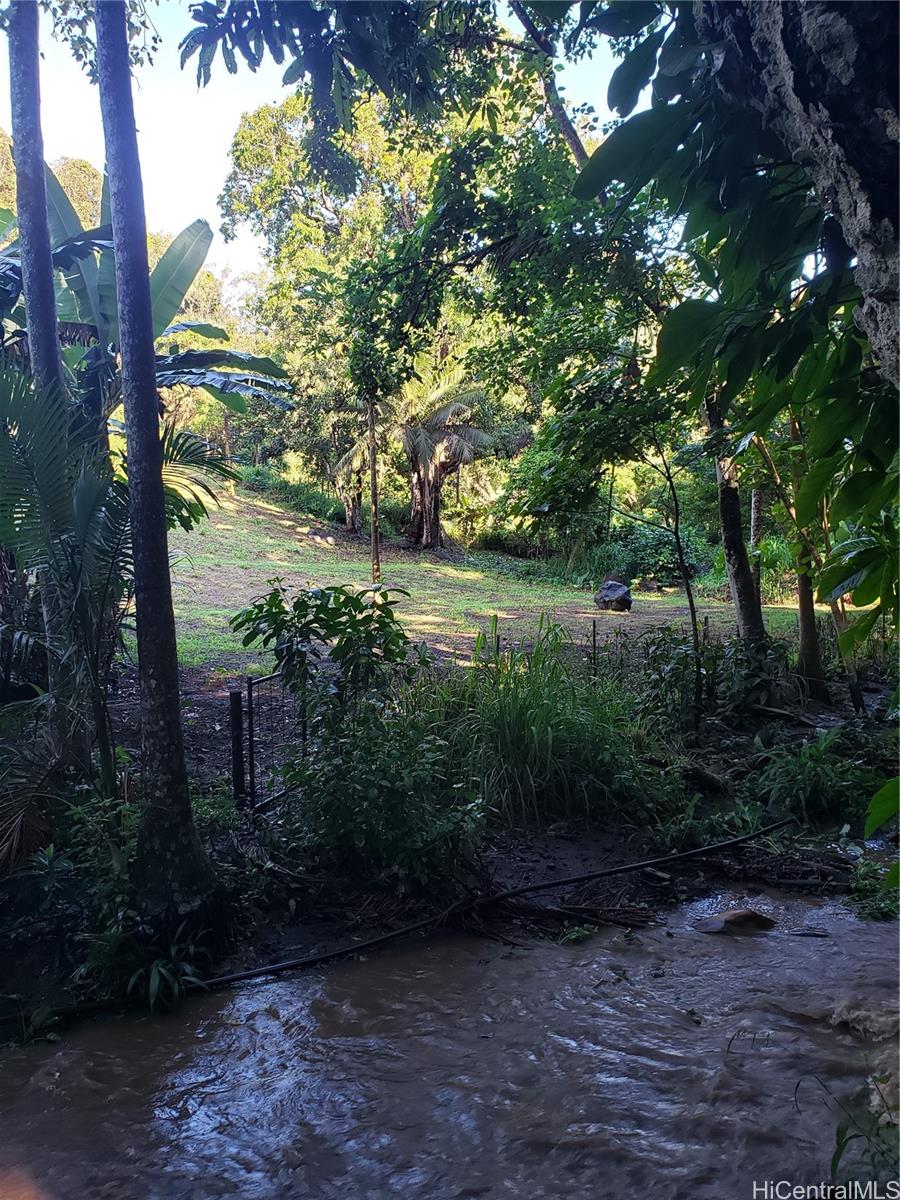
662 1065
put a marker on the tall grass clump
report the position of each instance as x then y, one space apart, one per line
541 736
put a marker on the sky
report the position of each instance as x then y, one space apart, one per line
185 132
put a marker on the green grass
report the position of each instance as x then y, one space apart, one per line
227 562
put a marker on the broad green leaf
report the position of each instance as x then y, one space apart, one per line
173 275
7 223
859 630
633 74
634 151
813 487
65 226
705 270
844 574
856 494
191 359
215 333
883 807
108 325
685 330
63 219
740 365
676 57
236 403
553 10
293 72
625 18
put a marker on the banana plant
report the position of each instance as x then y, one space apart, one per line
86 307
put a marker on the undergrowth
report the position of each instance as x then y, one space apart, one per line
542 737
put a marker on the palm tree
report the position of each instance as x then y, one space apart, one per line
432 421
172 872
438 438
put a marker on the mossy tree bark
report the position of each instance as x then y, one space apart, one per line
172 873
824 75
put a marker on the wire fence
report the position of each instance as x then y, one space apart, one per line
269 724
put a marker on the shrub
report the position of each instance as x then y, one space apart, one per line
632 550
778 573
647 551
736 675
355 629
820 779
378 798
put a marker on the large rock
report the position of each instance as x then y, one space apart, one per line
614 596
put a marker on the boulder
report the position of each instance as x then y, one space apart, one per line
613 596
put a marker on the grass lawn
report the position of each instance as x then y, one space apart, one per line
227 561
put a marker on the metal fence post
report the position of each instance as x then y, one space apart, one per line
251 752
236 723
594 647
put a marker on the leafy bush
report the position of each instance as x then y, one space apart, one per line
355 629
541 736
647 551
820 779
778 573
869 894
378 798
369 790
393 516
632 551
736 675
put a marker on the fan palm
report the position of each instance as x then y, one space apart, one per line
432 420
435 428
64 516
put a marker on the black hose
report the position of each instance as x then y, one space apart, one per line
475 903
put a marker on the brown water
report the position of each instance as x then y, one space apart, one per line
666 1065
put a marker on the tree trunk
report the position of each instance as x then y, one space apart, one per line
437 534
428 533
45 358
824 76
353 504
551 93
171 873
373 494
31 195
809 650
740 577
809 654
433 483
416 508
228 445
811 556
685 571
756 515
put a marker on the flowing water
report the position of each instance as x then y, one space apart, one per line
666 1064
